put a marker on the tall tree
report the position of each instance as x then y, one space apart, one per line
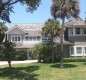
6 6
3 29
64 9
52 29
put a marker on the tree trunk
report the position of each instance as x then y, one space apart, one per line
61 42
9 63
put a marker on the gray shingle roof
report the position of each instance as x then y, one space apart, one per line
30 27
57 40
75 22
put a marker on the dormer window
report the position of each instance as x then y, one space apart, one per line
77 31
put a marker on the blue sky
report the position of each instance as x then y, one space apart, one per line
40 15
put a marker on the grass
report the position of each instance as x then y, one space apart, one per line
44 71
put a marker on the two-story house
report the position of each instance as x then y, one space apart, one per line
76 34
27 35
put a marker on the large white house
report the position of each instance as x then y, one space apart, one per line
27 35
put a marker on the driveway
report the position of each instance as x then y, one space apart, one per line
18 62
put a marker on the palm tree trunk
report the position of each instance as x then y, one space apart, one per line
61 42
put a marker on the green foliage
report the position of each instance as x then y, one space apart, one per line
65 8
38 51
7 51
43 51
3 29
77 59
44 71
6 7
51 27
21 54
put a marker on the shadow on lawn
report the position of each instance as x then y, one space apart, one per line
19 73
65 65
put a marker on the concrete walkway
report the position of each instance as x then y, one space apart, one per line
18 62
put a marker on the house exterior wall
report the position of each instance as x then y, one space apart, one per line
73 37
15 31
77 38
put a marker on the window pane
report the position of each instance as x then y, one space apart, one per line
30 38
85 49
38 37
18 38
15 38
84 30
49 37
26 37
77 30
79 50
71 31
34 38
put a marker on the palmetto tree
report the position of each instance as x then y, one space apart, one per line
51 28
64 9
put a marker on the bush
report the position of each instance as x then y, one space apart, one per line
77 59
21 54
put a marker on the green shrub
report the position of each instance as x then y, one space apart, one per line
21 54
77 59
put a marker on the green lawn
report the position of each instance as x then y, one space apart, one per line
45 71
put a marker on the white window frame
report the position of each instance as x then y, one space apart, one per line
83 32
70 31
79 50
80 31
32 38
14 37
75 51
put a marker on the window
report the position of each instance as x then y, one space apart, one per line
29 38
15 38
84 31
77 31
72 50
38 37
79 50
71 31
85 50
34 38
49 37
26 37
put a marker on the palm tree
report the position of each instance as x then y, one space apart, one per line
64 9
3 29
51 28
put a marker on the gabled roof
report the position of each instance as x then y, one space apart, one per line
28 28
15 26
75 21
